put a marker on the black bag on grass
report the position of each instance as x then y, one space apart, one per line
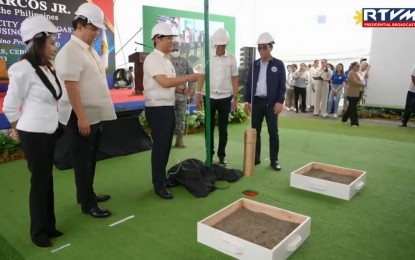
226 174
194 175
197 178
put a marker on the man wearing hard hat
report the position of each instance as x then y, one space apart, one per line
223 90
160 84
264 97
79 65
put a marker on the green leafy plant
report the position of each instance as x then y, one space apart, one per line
195 120
143 120
7 144
239 115
10 149
380 113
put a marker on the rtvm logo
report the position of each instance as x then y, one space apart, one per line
388 17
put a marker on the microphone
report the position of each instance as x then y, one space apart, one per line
142 44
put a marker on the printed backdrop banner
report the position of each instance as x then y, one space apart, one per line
61 14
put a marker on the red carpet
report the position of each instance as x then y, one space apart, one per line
2 94
124 95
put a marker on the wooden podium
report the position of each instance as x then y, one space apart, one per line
3 70
138 59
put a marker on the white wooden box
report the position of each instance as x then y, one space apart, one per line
326 187
243 249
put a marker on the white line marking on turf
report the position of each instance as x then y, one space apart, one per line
62 247
121 221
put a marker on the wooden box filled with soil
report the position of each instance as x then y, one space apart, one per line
247 229
330 180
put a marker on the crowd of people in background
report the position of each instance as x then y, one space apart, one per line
321 87
192 39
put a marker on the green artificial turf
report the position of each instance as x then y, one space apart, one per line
7 251
377 223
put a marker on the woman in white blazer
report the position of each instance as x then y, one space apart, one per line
32 108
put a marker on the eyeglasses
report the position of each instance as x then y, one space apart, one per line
262 47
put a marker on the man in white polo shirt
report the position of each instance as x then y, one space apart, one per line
79 65
160 85
223 90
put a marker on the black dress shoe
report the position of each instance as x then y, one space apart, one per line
276 166
54 233
43 243
402 125
164 193
222 161
257 162
98 212
101 198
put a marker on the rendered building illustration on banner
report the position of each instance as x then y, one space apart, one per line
190 28
191 35
61 14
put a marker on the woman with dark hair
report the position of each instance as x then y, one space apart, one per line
337 83
31 106
354 83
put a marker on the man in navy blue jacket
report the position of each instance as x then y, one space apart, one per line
264 96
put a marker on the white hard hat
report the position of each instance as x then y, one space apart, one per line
92 13
220 37
265 38
33 27
162 29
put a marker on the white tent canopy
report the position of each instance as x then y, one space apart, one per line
294 25
303 30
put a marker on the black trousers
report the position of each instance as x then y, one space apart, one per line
409 106
39 150
260 109
162 122
351 111
303 92
360 97
223 107
83 151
